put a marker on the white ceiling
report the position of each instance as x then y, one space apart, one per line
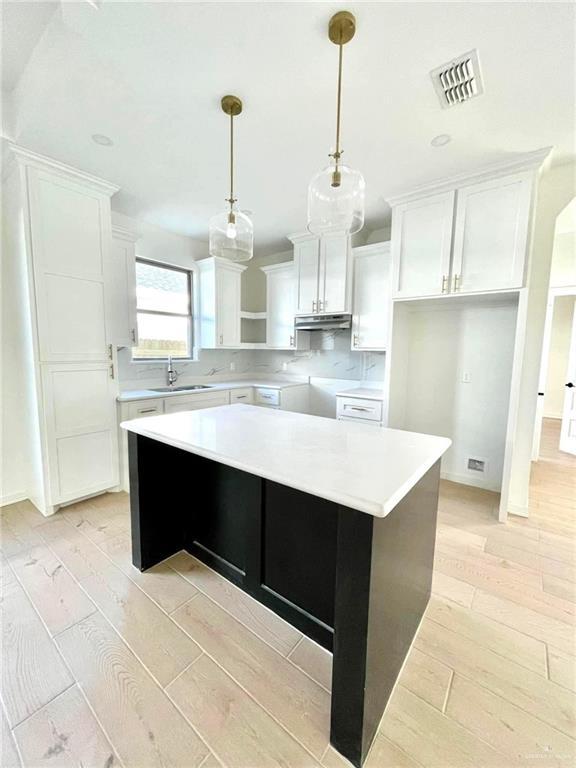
150 76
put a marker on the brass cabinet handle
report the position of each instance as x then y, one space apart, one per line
241 397
356 341
313 305
221 338
133 334
147 410
456 283
111 370
291 341
444 283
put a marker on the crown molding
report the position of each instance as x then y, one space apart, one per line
122 233
31 159
277 267
302 237
360 250
529 161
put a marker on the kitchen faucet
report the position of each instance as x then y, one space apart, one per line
171 373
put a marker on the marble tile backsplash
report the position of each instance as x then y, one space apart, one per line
329 357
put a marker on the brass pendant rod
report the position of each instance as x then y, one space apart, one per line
231 198
337 153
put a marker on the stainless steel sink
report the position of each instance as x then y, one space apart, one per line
181 389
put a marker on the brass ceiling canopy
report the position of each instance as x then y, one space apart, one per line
342 27
231 105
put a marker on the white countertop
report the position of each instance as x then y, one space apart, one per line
366 393
217 386
368 470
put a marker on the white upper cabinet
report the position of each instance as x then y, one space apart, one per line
333 276
120 272
281 308
322 274
371 304
421 242
471 239
71 238
491 233
306 260
220 302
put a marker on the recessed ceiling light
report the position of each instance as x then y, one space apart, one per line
441 140
104 141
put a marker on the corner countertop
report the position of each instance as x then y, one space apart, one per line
218 386
367 470
366 393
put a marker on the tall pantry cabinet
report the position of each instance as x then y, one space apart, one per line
67 362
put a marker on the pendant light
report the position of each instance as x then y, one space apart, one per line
336 194
231 232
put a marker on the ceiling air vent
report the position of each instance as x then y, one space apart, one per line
459 80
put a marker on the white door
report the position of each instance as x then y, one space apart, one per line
70 229
371 298
81 433
568 431
491 234
306 257
120 270
421 245
280 306
228 307
334 251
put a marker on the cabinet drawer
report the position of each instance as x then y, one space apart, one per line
145 408
241 395
265 396
357 408
195 402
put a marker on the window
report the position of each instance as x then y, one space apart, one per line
164 307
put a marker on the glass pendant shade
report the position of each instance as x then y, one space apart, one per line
337 208
232 240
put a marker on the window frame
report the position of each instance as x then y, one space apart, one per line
190 314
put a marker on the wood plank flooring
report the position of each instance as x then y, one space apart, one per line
104 666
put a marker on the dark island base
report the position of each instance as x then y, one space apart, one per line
356 584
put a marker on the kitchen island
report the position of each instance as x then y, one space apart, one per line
330 524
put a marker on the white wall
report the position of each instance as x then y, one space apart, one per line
444 346
555 190
558 357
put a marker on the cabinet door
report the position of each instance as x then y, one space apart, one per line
334 251
280 308
372 301
70 230
306 261
81 434
421 243
195 402
228 307
491 234
121 292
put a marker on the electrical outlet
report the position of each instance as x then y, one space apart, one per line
466 378
284 366
232 366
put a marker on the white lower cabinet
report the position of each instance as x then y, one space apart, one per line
245 396
81 436
371 306
196 402
359 409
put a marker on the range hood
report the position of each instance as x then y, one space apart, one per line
322 322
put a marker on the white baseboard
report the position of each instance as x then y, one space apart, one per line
476 482
12 498
517 509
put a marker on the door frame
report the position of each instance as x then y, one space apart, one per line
553 294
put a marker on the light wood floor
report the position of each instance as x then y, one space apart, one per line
104 666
